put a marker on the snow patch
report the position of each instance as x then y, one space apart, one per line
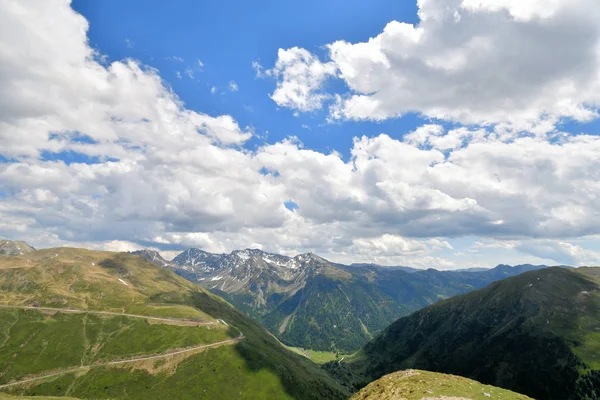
123 282
286 264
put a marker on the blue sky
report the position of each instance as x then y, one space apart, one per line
438 133
227 37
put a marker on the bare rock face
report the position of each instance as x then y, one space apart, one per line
155 258
14 248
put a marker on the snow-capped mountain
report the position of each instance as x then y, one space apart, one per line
251 271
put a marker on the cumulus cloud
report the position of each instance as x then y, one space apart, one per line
527 187
561 252
524 63
390 245
300 76
143 161
107 155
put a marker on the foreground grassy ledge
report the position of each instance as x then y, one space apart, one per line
125 298
424 385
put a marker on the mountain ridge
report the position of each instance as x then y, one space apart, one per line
534 333
309 302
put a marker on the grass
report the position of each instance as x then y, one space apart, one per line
418 385
33 342
85 279
319 357
213 374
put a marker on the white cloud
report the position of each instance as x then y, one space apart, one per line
561 252
233 86
521 10
213 90
200 63
389 245
521 63
157 172
300 77
189 72
258 68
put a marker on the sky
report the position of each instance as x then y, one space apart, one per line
434 134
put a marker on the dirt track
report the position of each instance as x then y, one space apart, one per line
124 361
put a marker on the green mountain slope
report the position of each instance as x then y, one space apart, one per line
536 333
342 311
417 385
115 326
331 313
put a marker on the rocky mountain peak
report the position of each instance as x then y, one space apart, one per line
307 257
154 257
14 248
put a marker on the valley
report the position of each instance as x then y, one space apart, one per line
309 302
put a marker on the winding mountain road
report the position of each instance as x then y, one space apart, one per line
123 361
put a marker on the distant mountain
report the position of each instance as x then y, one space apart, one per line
389 268
155 258
14 248
307 301
413 384
474 269
536 333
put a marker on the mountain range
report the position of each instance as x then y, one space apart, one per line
537 334
91 324
309 302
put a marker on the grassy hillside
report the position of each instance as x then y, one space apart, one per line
65 340
418 385
536 333
335 314
39 342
